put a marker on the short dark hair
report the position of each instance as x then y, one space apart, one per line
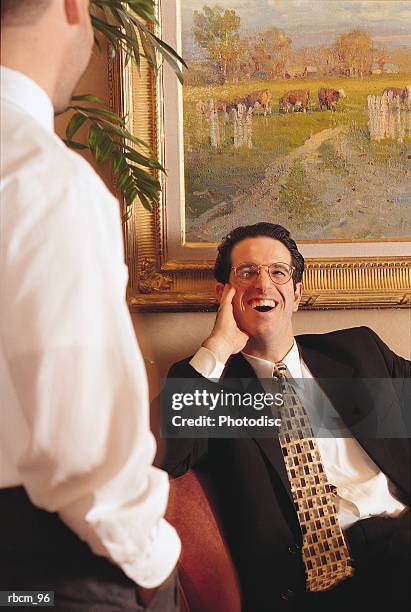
222 267
22 12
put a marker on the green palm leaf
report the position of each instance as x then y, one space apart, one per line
127 27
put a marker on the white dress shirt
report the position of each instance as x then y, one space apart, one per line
74 409
361 486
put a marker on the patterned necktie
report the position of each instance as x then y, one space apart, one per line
325 552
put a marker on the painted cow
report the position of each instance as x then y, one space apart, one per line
262 98
395 92
298 99
329 97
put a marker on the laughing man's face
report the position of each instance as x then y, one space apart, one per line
263 308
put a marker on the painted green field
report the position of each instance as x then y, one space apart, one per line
217 178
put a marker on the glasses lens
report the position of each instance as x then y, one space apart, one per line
280 273
246 272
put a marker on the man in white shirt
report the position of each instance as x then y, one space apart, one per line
259 272
75 442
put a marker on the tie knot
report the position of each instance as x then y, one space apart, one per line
280 370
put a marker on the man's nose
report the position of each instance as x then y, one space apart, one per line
263 280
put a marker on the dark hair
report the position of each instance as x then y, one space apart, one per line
222 267
22 12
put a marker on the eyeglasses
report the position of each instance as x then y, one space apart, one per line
280 273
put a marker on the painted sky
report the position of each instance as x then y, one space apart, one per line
313 22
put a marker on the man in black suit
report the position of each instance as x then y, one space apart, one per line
259 272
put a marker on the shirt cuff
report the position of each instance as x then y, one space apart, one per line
367 498
163 551
206 364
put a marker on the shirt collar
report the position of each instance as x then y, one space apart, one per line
19 90
264 368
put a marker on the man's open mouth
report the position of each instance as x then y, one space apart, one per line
262 305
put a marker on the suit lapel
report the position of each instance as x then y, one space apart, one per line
362 408
331 376
239 371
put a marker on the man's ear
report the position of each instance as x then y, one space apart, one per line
219 288
298 293
73 12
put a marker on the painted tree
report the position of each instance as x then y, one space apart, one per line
323 57
269 51
380 56
354 52
217 30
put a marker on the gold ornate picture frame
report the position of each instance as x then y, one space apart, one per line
167 273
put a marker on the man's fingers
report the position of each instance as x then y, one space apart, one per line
228 294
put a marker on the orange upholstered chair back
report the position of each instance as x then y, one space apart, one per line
206 571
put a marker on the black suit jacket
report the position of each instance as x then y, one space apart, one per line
249 476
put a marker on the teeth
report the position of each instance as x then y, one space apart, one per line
256 303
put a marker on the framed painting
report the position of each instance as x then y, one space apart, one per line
291 112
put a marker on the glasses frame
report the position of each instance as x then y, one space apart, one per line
267 268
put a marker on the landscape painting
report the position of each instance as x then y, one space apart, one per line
297 112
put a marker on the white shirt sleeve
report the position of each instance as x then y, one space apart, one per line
83 444
206 364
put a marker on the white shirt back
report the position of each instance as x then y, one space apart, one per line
74 412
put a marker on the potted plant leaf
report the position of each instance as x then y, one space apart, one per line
128 27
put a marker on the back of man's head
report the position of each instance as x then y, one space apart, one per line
49 41
22 12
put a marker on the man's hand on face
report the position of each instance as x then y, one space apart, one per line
226 337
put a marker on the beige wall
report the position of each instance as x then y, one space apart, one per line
164 338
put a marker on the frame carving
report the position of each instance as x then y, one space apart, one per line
161 282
